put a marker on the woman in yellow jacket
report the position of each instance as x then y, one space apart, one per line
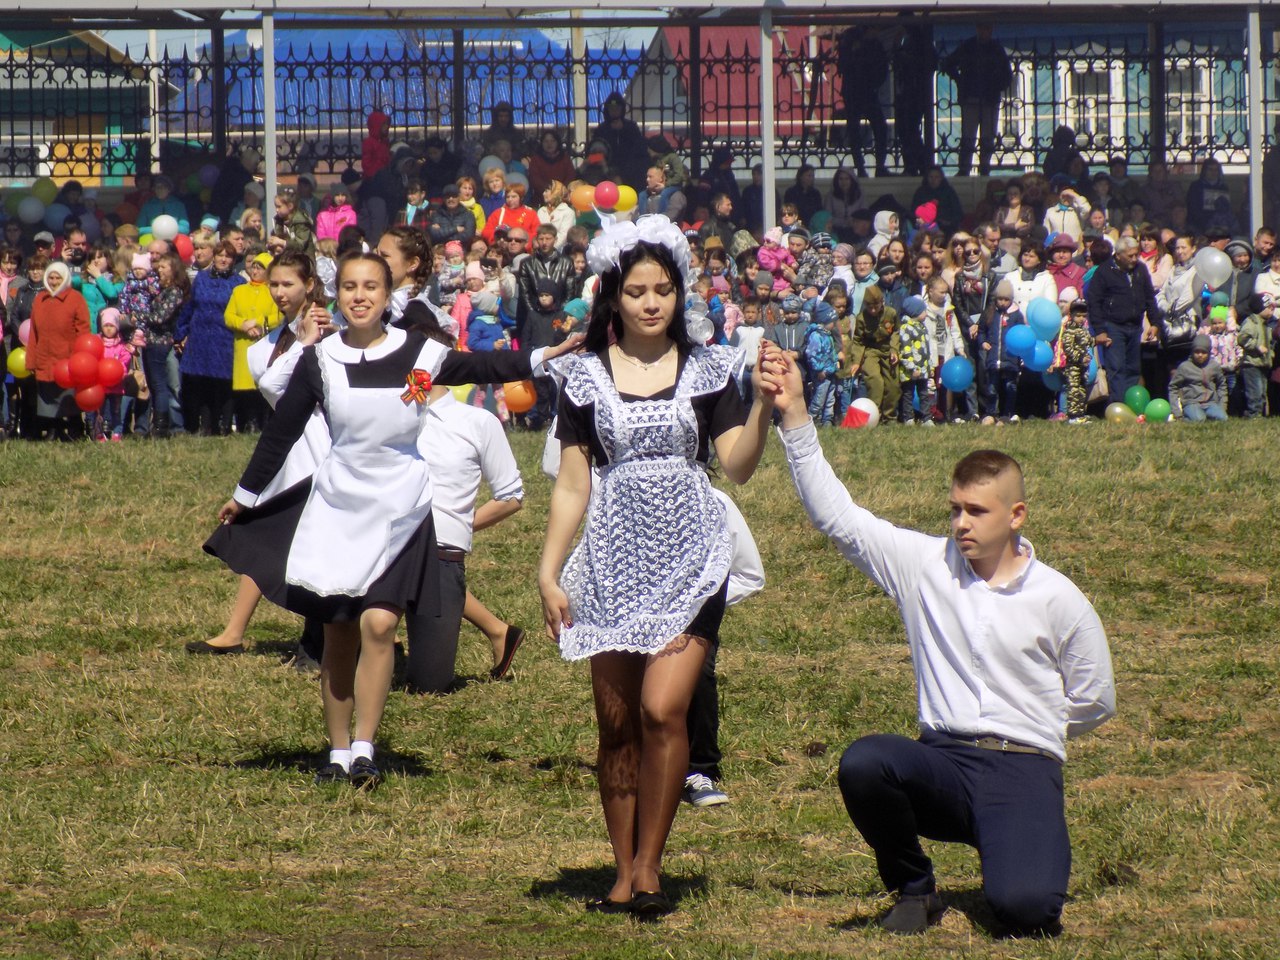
250 314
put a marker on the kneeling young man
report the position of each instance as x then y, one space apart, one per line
1010 660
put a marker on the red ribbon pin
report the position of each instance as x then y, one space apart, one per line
419 386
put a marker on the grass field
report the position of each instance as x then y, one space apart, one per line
158 805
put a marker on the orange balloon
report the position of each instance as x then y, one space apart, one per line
583 198
520 396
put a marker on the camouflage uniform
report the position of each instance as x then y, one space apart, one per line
1076 343
874 347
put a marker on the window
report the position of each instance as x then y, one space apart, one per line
1189 100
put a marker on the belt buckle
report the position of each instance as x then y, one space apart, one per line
1004 746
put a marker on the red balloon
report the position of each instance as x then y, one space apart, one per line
62 374
88 343
90 398
84 369
182 245
110 372
606 194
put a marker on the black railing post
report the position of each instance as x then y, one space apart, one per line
1157 90
218 48
458 90
695 100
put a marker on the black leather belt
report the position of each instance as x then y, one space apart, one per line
452 554
1001 745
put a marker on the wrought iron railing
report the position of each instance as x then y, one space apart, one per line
73 109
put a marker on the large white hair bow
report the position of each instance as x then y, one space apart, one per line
606 249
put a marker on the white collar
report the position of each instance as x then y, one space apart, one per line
1025 549
439 404
340 351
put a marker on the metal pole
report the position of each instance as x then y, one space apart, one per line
766 116
219 50
269 112
1157 91
578 67
695 100
458 90
1257 131
153 54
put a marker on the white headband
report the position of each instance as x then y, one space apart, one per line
615 239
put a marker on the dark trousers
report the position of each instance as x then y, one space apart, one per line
206 404
250 410
909 124
870 110
155 365
1007 805
433 641
1122 359
704 720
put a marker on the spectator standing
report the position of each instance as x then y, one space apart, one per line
935 189
982 73
915 63
628 150
251 312
1255 347
720 223
1204 194
375 149
863 64
549 162
337 213
439 167
1032 280
661 197
208 347
556 211
1015 218
58 315
502 126
1120 297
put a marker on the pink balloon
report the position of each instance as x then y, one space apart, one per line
24 332
606 194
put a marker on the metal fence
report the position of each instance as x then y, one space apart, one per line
84 110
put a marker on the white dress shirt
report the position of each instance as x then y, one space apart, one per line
464 445
1026 660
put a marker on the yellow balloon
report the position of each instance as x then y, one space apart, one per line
626 198
45 189
463 392
17 363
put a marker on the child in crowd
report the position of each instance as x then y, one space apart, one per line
822 359
327 267
416 211
817 266
715 307
946 340
789 334
450 279
1001 394
773 257
1222 332
746 337
874 351
573 319
337 213
717 270
837 295
473 283
115 407
915 364
1255 347
293 224
140 291
1199 385
1076 344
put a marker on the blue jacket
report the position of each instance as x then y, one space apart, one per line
484 330
210 343
994 326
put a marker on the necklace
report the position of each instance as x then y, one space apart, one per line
640 363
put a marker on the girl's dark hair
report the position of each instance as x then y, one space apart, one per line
11 253
350 238
304 267
412 242
99 249
418 316
360 256
178 274
1033 247
604 314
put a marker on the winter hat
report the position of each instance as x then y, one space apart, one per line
127 231
577 308
885 269
449 190
473 271
141 261
792 304
546 285
109 316
820 311
452 248
1201 342
485 302
1239 246
339 187
800 232
765 278
263 260
1004 289
210 221
773 235
1079 306
1259 302
1062 241
914 307
822 241
1218 314
257 189
1219 299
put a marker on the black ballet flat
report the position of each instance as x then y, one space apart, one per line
651 905
605 905
515 637
204 647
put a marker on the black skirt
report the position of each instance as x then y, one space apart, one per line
706 622
257 545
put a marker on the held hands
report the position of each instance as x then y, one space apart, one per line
780 375
555 608
765 389
570 343
316 324
230 510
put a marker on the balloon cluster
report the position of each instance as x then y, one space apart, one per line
88 372
605 195
1139 407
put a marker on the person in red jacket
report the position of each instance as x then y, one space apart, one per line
59 314
512 214
375 152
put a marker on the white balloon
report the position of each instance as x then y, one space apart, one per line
1212 266
701 329
31 210
488 163
164 227
868 406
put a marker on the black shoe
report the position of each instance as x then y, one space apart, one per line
914 913
650 905
203 646
515 637
331 773
605 905
364 774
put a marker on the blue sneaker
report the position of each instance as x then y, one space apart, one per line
701 791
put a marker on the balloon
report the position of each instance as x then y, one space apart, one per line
1044 318
110 371
957 374
89 343
606 194
627 199
486 164
164 227
24 332
11 201
1212 266
44 190
84 369
1137 397
31 211
90 398
1041 358
17 363
54 215
62 374
182 245
91 227
1158 411
863 412
1053 380
144 241
1091 376
520 178
582 198
1020 340
462 392
208 175
519 395
192 183
205 196
1120 413
127 213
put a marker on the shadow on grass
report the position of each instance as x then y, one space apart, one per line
308 761
581 883
968 901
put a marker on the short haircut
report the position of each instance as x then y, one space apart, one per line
1265 232
547 228
983 466
1125 244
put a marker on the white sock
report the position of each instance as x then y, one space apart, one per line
361 748
341 757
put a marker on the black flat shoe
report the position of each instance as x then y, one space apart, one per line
650 905
605 905
331 773
364 774
515 637
203 646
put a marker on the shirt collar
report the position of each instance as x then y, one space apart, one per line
1025 549
339 351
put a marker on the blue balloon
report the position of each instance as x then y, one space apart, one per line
957 374
1020 340
1053 380
1041 358
1092 375
1044 318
